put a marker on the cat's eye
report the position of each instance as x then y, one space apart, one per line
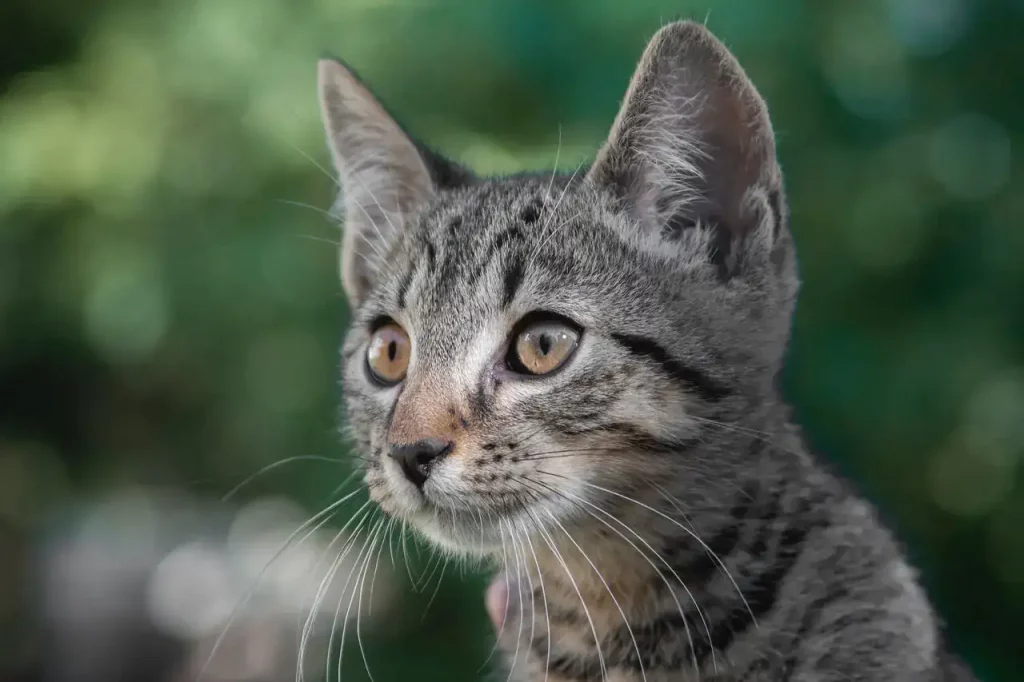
387 356
542 346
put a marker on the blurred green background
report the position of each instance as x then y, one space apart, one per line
170 309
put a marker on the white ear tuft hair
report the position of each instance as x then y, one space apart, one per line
692 144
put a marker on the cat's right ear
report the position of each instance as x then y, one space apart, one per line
386 179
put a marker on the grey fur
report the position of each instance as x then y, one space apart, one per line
657 510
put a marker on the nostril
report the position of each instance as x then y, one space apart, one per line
417 459
425 458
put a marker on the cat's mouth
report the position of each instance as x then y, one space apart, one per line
464 530
453 513
462 527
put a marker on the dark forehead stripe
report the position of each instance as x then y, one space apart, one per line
505 247
423 247
431 253
403 287
643 347
493 229
511 235
456 266
513 278
446 252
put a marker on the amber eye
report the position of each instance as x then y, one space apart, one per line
388 354
543 346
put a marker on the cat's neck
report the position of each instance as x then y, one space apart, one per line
621 555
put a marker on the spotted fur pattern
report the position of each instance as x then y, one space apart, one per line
656 511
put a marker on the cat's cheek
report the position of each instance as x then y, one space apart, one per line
388 489
382 492
377 487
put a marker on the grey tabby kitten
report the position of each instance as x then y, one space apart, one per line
576 376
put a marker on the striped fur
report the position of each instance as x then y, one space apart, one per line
657 514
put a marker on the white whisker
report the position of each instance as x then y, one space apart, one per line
607 587
433 596
586 612
544 597
352 597
504 616
317 520
522 606
308 626
682 583
405 551
554 169
279 463
692 534
330 216
551 214
378 536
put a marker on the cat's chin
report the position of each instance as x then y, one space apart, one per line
463 536
479 533
464 530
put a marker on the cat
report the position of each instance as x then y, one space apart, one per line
576 375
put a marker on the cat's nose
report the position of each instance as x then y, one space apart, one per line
417 459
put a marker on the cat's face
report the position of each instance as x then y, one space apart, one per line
524 349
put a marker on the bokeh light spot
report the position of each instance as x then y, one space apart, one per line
866 67
125 308
929 27
970 156
970 483
191 593
994 415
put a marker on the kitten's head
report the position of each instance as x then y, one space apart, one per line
522 348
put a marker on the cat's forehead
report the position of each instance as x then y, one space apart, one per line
485 253
523 205
525 223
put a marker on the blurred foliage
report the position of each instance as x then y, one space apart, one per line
170 312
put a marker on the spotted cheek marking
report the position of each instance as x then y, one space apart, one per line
457 428
478 456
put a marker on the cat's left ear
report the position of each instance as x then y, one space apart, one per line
693 145
386 178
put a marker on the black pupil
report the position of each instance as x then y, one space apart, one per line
544 343
392 351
